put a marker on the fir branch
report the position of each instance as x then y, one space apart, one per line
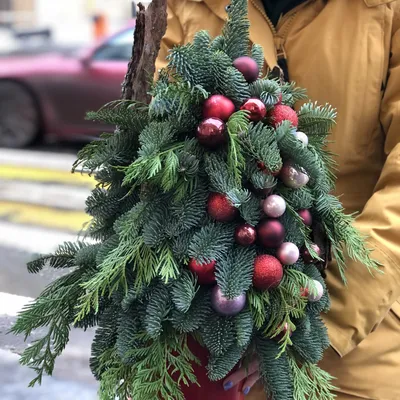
184 290
315 119
167 267
267 90
222 179
250 210
218 334
258 300
257 54
292 94
234 271
219 366
243 324
157 310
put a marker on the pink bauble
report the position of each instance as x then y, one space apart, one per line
248 67
218 106
256 108
224 306
270 233
292 177
274 206
288 253
314 297
306 216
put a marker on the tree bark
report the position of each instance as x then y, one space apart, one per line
151 25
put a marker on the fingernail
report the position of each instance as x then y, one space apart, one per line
246 390
228 385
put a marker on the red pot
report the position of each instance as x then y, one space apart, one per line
207 390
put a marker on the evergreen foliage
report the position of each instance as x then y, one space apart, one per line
149 218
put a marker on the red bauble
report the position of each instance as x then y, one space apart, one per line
220 208
306 216
211 133
264 169
218 106
245 235
304 292
271 233
205 272
282 113
256 108
268 272
248 67
307 257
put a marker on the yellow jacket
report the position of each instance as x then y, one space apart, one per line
346 53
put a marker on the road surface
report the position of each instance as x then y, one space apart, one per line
41 205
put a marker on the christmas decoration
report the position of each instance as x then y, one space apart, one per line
245 235
256 108
292 177
248 67
302 137
205 272
211 133
218 106
135 280
283 331
264 169
314 297
282 113
274 206
306 255
306 216
270 233
268 272
288 253
220 208
224 306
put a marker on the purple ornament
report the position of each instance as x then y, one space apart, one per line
288 253
274 206
316 296
292 177
224 306
302 137
306 216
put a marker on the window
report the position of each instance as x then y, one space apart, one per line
118 48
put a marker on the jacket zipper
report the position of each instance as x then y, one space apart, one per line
286 22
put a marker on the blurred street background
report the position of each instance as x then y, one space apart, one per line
58 60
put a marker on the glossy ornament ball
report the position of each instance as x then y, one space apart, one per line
270 233
274 206
256 108
245 235
224 306
282 113
268 272
218 106
288 253
220 208
314 297
306 216
302 137
248 67
211 133
307 257
292 177
205 272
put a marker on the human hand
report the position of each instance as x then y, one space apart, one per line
248 375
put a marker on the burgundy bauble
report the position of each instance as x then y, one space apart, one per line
288 253
282 113
270 233
220 208
224 306
292 177
245 235
211 133
268 272
307 257
205 272
306 216
248 67
218 106
274 206
256 108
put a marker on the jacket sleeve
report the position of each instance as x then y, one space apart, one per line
357 310
172 37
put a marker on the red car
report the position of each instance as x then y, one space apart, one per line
47 96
